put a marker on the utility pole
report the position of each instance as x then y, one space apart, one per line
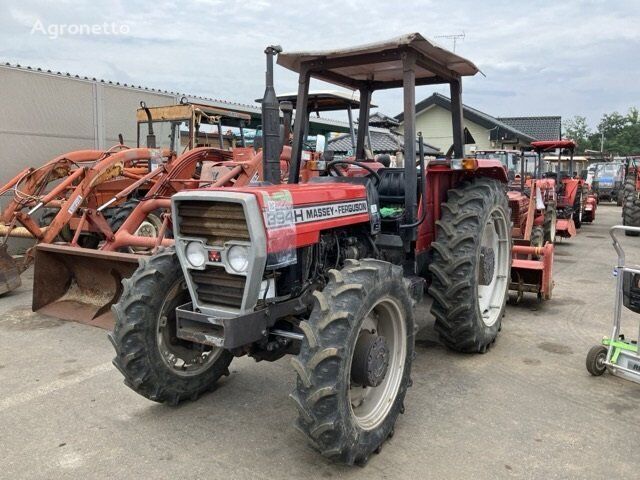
602 142
454 37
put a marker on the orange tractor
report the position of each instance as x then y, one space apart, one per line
574 203
76 195
532 205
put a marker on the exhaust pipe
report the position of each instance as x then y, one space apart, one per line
271 123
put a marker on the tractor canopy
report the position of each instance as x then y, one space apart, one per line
546 145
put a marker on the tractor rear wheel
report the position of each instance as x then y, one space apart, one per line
155 363
631 206
150 226
537 237
578 208
549 224
471 265
354 365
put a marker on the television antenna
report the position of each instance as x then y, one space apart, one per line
454 37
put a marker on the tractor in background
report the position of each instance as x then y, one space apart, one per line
329 270
631 200
608 182
78 196
532 203
574 204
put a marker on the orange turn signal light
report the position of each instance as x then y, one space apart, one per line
469 163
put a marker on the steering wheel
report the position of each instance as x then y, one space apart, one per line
331 166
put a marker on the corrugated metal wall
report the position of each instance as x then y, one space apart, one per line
43 115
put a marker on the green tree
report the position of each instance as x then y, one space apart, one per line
578 130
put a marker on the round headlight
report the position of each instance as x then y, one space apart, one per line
238 258
196 254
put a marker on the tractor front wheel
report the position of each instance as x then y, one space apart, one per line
154 361
578 208
354 365
150 226
471 265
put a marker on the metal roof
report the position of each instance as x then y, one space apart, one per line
380 64
540 128
382 142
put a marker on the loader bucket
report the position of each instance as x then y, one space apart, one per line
78 284
9 271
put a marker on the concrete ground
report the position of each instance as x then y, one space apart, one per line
526 409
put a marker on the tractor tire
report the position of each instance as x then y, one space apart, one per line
155 363
631 206
86 240
578 209
537 237
595 360
48 214
470 278
549 224
358 345
150 226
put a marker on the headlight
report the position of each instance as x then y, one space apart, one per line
196 254
238 258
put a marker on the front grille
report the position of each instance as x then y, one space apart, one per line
216 222
215 286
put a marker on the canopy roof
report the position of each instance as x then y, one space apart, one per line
184 111
379 65
325 100
553 144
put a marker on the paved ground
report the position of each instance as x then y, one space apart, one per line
526 409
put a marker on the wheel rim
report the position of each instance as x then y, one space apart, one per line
150 228
371 405
552 230
600 359
183 358
492 293
580 209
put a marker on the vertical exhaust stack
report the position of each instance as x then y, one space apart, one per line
271 123
151 137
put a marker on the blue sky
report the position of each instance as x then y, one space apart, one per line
575 57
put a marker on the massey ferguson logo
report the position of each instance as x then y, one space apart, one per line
281 217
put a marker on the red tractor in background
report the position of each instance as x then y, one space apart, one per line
574 203
631 195
329 270
532 205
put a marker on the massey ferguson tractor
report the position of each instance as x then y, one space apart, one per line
327 271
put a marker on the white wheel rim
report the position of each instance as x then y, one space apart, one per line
552 232
149 228
371 405
182 361
491 296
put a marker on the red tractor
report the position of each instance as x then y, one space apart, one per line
574 204
631 197
532 205
329 270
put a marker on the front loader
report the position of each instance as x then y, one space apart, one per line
327 271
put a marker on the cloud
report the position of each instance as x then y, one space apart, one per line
544 57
